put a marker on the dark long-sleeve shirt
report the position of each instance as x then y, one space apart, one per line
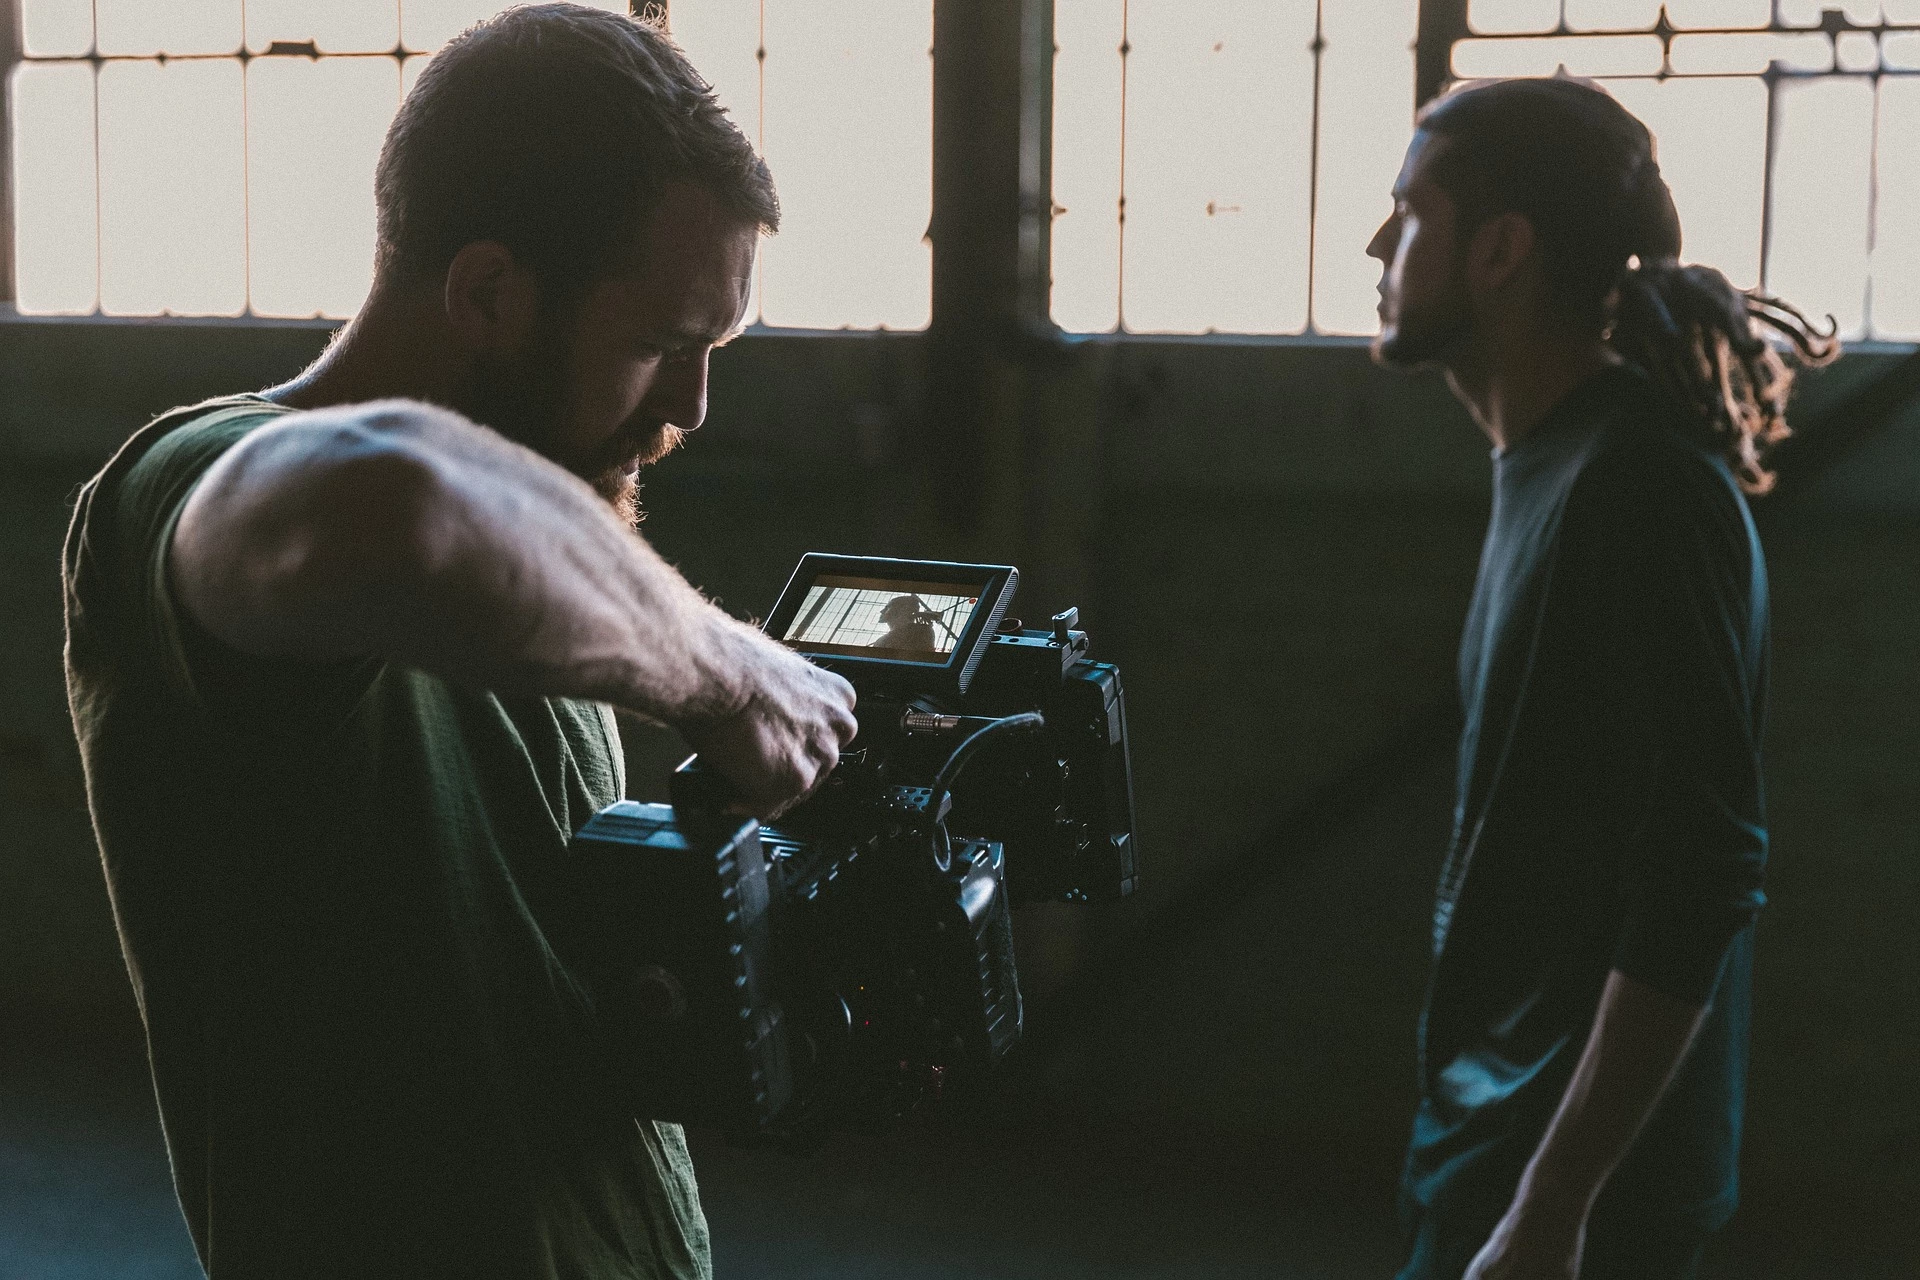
1609 810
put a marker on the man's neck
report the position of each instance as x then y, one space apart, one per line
395 347
1510 383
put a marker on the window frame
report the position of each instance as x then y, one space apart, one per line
1004 228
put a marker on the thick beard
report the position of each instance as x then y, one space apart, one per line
1426 331
524 399
1423 336
614 482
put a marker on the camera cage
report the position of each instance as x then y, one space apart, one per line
854 962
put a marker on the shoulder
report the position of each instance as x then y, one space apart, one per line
1644 470
171 452
125 510
177 448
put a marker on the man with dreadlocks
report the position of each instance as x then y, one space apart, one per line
1583 1045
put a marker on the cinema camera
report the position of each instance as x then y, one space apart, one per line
855 961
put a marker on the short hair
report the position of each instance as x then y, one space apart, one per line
554 129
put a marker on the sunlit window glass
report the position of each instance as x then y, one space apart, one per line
172 188
1822 186
55 202
57 28
144 29
1896 245
1712 140
1220 166
236 145
1508 17
1088 121
313 134
338 26
1366 121
1784 130
839 96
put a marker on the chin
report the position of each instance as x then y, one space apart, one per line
618 484
1391 349
1399 347
625 500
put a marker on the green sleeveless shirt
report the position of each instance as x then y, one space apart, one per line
329 882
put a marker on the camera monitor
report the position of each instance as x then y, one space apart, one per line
925 622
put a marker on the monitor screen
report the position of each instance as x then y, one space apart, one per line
893 619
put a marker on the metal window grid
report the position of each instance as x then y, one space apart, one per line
1318 47
1443 24
1834 24
12 45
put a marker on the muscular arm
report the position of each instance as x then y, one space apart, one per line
399 530
1640 1035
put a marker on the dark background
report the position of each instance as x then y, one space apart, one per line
1275 541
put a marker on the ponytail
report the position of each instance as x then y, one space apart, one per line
1703 340
1583 169
1707 344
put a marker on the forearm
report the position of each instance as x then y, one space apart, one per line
408 533
1640 1036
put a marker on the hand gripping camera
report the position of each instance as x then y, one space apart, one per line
855 961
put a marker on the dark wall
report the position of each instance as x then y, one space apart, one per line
1276 543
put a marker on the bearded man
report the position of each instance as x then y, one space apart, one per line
341 660
1583 1044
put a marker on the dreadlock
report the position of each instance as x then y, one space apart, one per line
1584 172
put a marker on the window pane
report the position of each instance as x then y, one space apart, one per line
172 191
1750 54
722 40
1612 15
1712 136
1719 13
425 25
57 28
141 28
1901 49
313 134
53 197
1821 186
1366 121
1218 163
410 71
1807 13
1579 55
1856 51
1496 17
849 137
1086 165
1896 248
337 26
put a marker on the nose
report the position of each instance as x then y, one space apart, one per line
679 394
1382 245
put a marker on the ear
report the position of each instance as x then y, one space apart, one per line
1501 250
492 300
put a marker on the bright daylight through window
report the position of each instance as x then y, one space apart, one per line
1189 192
215 157
1830 216
1218 165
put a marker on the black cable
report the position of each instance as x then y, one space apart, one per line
950 771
